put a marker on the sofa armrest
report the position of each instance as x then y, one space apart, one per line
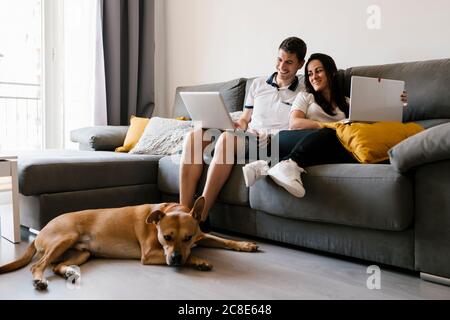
428 146
432 218
99 138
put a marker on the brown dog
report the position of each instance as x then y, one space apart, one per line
155 233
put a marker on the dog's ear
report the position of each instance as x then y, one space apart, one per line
155 216
198 207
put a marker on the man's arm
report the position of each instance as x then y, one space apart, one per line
298 121
244 120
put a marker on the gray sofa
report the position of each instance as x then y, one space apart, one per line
378 213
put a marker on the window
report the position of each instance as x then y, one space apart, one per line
51 69
21 112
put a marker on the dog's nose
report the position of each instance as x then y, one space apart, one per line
175 258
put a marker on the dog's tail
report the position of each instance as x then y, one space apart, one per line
21 262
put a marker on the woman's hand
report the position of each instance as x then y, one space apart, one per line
404 98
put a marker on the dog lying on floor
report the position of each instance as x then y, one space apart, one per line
155 233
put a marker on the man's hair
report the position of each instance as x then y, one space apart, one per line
294 45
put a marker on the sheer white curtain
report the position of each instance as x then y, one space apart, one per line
100 111
84 76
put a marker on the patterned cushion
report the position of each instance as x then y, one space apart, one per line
162 136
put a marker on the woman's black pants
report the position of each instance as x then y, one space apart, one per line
313 147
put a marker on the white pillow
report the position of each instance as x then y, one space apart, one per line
162 136
235 115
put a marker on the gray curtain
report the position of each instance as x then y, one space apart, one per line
129 48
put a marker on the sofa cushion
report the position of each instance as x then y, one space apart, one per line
233 93
428 146
104 138
427 83
50 171
233 192
371 196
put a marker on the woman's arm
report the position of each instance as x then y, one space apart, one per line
245 118
298 121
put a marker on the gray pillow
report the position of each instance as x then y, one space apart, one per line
233 93
427 146
105 138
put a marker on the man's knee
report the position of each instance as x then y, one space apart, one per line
225 147
193 147
225 139
194 135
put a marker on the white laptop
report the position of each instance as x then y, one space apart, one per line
209 108
375 99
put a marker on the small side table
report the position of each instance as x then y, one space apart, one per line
10 219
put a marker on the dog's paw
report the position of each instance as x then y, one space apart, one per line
72 273
39 284
247 246
203 266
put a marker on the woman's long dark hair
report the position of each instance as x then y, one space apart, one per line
336 91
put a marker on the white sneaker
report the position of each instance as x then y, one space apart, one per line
254 170
287 175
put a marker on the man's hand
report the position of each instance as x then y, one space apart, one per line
244 120
240 124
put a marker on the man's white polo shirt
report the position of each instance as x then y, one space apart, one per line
271 104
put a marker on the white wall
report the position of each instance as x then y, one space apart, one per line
218 40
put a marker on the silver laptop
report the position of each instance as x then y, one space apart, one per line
209 108
375 99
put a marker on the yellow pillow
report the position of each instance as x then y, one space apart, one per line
182 118
134 133
370 142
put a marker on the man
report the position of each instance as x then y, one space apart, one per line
266 109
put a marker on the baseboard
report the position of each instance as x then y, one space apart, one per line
33 231
435 279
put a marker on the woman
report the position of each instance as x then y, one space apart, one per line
306 144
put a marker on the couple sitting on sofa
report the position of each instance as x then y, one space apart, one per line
280 104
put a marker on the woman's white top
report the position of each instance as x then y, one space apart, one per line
306 103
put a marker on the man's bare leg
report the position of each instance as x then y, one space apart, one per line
191 166
219 169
